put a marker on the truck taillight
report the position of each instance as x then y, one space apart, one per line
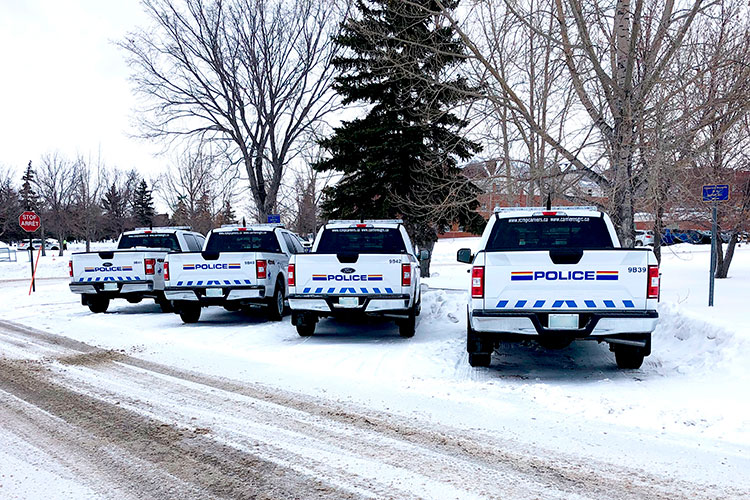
70 267
405 274
149 265
477 282
166 271
290 275
652 288
260 269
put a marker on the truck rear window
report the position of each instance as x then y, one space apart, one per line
549 232
361 240
152 240
246 241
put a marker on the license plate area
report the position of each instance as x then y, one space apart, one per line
214 292
348 302
562 322
110 287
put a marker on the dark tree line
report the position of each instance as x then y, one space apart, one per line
75 199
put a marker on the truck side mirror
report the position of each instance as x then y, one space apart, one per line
424 254
464 255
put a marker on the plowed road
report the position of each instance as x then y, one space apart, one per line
120 427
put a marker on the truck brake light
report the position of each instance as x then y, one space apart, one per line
477 282
70 267
549 213
149 264
290 275
260 269
166 271
652 287
405 274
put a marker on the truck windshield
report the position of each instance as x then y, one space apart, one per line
245 241
361 240
152 240
549 232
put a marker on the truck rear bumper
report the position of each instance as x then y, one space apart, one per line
592 323
330 304
123 287
245 293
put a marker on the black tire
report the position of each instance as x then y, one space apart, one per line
134 300
407 327
97 304
479 359
165 305
276 304
232 306
190 313
305 324
306 329
638 243
628 357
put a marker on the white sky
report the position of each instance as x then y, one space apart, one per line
64 85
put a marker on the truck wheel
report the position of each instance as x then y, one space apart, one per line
479 359
305 324
97 304
629 357
134 300
276 304
190 313
164 303
407 327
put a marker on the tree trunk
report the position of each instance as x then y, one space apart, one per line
724 260
42 249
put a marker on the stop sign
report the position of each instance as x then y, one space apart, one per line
29 221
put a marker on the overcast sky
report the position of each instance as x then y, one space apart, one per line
64 85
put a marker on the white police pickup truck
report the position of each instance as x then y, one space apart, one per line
132 271
555 275
357 267
238 267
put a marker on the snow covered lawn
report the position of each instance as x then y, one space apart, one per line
684 414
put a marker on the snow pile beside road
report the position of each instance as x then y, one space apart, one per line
690 343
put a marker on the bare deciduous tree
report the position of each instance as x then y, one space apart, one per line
254 75
56 183
617 54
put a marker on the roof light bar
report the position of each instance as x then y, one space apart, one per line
544 209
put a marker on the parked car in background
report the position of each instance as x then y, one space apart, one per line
49 244
644 238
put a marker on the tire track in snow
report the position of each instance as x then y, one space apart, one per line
360 450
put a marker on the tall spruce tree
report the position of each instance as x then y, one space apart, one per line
143 205
29 198
401 159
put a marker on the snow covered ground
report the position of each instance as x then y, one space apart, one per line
685 415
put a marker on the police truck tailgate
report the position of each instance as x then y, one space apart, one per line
370 274
610 280
191 270
119 266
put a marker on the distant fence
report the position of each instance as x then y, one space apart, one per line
7 255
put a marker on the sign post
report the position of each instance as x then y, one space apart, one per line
274 219
714 193
30 222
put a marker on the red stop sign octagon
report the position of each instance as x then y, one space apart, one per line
29 221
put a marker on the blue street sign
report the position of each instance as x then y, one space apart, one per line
716 192
274 219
